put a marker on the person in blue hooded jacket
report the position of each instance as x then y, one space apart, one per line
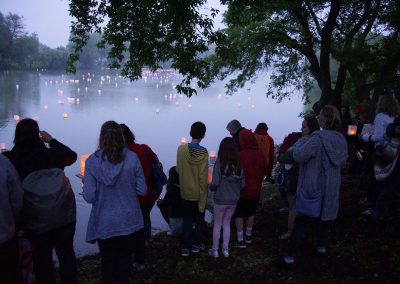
320 160
113 180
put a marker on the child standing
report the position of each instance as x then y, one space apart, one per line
227 181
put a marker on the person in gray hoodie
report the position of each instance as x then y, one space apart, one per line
113 179
320 159
11 194
227 181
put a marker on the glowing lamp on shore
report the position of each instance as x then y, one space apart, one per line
352 130
213 156
183 140
82 163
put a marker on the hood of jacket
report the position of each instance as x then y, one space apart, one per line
106 172
195 155
247 140
335 146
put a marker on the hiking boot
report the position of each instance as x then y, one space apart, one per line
248 239
213 253
240 244
225 253
196 248
185 252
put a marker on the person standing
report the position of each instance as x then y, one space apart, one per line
253 164
30 154
192 168
320 160
11 195
113 180
234 127
262 130
227 181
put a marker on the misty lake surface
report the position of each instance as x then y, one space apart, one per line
72 109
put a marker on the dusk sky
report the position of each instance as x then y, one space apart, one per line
48 18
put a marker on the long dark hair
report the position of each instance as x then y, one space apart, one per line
173 176
27 135
228 156
111 142
312 123
129 137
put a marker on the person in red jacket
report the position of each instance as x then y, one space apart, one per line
253 164
262 129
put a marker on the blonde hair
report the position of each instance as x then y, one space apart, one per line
330 116
388 104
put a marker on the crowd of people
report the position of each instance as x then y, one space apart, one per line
37 199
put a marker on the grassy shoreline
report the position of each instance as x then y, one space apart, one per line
358 251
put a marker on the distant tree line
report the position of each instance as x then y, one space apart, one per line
22 51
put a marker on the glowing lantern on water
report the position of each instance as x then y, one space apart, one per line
46 107
183 140
189 105
17 87
65 115
352 130
253 106
157 110
17 117
82 165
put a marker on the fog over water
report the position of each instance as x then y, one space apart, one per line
151 107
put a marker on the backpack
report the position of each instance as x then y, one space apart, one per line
157 176
386 157
49 201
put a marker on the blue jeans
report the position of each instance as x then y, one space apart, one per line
192 216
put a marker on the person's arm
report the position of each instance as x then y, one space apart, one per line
64 156
89 183
16 192
141 188
305 151
379 130
216 179
203 173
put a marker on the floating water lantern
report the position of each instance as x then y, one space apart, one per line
86 89
183 140
3 147
99 91
189 105
177 104
253 106
61 102
239 105
76 81
157 110
82 162
65 115
45 83
219 96
78 90
352 130
16 117
165 97
17 87
136 100
46 107
116 85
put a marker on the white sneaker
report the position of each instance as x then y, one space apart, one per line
213 253
321 250
225 253
288 259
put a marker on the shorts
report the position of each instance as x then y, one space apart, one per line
246 208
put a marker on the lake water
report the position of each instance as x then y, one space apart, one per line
151 107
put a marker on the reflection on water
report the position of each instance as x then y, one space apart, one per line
73 107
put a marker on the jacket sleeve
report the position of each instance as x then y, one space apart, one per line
203 184
16 191
286 158
89 184
216 179
64 155
141 188
304 152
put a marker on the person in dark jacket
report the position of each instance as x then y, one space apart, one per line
253 164
171 205
30 154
